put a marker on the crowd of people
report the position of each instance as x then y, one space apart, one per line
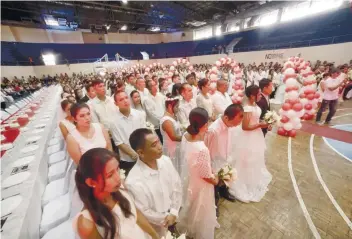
148 149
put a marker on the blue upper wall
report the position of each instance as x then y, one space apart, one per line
324 27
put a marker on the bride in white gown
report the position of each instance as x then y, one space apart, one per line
248 153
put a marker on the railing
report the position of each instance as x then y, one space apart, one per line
293 44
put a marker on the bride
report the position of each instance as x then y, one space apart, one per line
252 176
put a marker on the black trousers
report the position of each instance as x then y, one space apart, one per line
332 104
265 130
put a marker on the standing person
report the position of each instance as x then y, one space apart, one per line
154 182
67 124
154 105
140 86
175 80
102 105
253 177
192 81
137 103
87 135
130 84
126 120
186 105
330 95
221 99
163 86
109 211
203 99
266 87
90 95
198 214
218 140
171 131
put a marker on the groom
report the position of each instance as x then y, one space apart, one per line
217 140
266 87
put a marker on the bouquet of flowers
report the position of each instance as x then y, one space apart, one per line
150 126
122 174
271 117
227 174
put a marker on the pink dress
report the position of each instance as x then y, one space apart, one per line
198 214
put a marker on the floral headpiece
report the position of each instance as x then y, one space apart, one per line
173 98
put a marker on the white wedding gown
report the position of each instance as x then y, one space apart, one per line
248 159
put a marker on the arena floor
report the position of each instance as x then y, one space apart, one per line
310 195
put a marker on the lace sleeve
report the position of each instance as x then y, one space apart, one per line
203 164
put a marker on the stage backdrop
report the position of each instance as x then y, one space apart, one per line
338 53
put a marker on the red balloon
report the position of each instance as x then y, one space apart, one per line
310 96
288 89
305 116
284 119
292 133
286 107
241 94
317 95
308 91
281 131
297 107
308 106
236 87
302 95
305 83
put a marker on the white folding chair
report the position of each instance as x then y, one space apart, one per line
58 210
64 230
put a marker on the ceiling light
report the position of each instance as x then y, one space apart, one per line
124 1
49 59
154 29
107 27
50 20
123 28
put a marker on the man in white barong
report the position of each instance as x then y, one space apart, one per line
221 98
218 139
154 182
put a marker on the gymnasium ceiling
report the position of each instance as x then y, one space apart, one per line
138 16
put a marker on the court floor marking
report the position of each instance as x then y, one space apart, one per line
298 193
330 146
326 189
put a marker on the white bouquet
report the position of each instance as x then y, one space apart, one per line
227 174
271 117
149 126
122 174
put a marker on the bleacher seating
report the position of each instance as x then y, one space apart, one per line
326 28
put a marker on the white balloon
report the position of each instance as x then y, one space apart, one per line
298 126
239 98
183 60
222 60
288 126
292 95
172 68
174 63
218 63
301 113
291 114
304 101
213 77
214 69
296 120
291 82
187 63
289 71
213 86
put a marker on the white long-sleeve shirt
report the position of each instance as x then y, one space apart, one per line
155 108
217 140
102 111
220 102
157 193
184 109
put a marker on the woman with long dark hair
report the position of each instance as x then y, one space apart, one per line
136 103
253 177
198 215
67 124
109 211
87 135
171 130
